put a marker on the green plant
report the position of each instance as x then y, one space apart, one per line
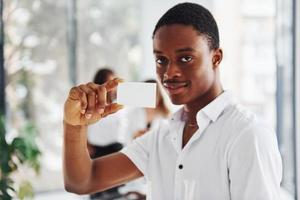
21 151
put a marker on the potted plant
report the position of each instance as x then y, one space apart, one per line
21 151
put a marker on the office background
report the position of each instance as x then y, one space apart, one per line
49 46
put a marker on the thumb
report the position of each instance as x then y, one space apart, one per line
112 108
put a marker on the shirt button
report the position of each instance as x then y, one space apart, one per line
180 166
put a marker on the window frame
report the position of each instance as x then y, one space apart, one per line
297 91
2 70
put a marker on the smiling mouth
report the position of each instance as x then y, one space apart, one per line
175 87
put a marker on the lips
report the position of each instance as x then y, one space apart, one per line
175 87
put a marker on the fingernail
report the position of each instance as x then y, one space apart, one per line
100 111
88 115
82 111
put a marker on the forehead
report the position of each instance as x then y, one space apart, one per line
177 36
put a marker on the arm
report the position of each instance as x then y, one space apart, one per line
86 104
91 149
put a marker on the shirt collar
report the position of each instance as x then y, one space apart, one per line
215 108
212 110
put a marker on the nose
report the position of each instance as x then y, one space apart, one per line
172 71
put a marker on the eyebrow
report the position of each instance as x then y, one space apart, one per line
187 49
157 52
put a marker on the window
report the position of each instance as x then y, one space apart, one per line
260 64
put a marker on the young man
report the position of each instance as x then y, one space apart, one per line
210 149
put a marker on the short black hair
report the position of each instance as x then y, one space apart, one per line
102 75
195 15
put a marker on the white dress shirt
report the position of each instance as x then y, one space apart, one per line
135 119
231 156
107 131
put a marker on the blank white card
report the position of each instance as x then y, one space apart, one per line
137 94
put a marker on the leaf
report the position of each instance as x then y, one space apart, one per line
25 190
6 188
22 150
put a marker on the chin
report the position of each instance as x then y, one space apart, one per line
176 100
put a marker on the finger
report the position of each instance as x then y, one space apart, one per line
76 94
83 100
91 100
110 85
101 99
112 108
100 94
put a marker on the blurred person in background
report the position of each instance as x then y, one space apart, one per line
140 120
104 136
137 122
115 131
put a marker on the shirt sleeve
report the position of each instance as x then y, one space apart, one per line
255 166
138 151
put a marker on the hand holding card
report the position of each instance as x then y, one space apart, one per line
137 94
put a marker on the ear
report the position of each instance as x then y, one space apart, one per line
217 57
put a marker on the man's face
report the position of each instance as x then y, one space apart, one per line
184 62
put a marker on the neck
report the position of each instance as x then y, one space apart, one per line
191 109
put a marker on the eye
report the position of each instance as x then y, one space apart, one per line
161 60
186 59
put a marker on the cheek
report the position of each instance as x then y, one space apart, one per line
159 73
202 78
